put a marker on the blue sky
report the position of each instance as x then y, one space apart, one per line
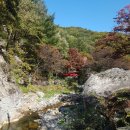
95 15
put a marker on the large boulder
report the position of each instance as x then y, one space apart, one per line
107 82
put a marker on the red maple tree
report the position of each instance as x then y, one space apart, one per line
75 59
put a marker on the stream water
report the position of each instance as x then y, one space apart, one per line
30 121
26 123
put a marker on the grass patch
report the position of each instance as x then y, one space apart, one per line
29 88
52 90
49 90
24 89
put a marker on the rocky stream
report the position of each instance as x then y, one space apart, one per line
33 111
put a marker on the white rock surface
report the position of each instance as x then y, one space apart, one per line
107 82
2 61
14 103
18 104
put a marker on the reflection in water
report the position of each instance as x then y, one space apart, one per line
26 123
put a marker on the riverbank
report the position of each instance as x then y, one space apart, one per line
15 106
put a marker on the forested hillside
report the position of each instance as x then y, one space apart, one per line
29 33
46 59
80 38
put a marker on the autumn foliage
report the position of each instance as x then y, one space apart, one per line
123 20
75 59
118 42
50 59
111 50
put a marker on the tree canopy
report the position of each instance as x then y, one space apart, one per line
123 20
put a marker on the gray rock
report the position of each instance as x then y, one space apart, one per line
13 105
123 128
2 61
43 128
17 59
107 82
50 119
6 88
40 94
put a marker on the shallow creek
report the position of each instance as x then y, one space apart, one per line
30 121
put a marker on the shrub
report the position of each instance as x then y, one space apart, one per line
50 60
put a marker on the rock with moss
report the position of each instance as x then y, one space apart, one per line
107 82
